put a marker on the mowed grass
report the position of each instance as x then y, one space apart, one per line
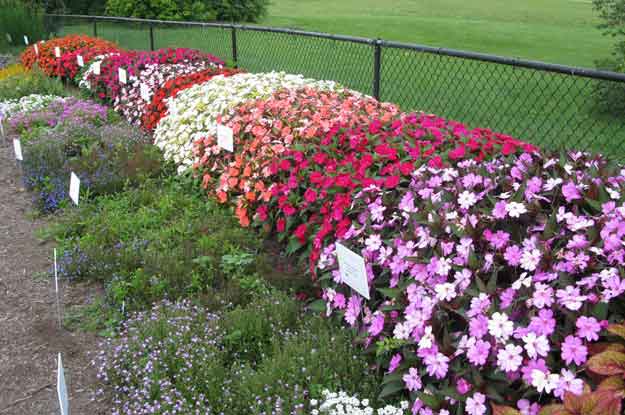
558 31
552 110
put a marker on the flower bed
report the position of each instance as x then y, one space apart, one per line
264 129
491 282
194 112
49 63
69 68
25 105
106 85
132 105
157 108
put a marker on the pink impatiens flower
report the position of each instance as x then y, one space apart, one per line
588 328
476 405
570 192
412 379
436 364
573 350
509 359
478 353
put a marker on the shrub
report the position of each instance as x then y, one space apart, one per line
19 18
129 232
23 83
204 10
194 112
185 360
490 282
105 158
157 108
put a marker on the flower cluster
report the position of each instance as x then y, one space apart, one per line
45 56
342 404
491 279
157 108
12 70
59 111
131 103
69 67
264 129
194 112
106 85
26 104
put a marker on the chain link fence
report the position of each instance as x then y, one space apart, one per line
553 106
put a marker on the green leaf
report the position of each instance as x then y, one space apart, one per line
318 306
390 292
391 388
430 400
616 329
392 377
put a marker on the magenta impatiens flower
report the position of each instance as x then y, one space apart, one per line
588 328
478 353
573 350
570 192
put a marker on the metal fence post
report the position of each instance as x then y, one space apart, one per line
95 28
377 64
234 46
151 36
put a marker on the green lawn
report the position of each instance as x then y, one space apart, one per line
559 31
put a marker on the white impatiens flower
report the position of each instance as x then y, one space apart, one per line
466 199
544 382
536 345
500 327
445 292
343 404
515 209
193 113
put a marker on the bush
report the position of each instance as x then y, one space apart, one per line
21 83
201 10
18 18
105 158
121 240
185 360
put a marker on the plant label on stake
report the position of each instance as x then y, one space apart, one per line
145 92
353 270
80 61
57 51
56 290
74 188
96 67
225 138
36 49
17 147
61 388
122 75
2 126
26 40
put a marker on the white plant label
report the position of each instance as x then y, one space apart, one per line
17 147
57 51
9 38
61 388
1 126
145 92
36 49
225 138
96 67
352 269
74 188
56 274
122 75
25 40
80 61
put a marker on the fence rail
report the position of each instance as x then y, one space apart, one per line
555 106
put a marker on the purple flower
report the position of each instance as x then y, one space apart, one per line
394 363
588 328
436 365
570 192
478 353
412 379
476 405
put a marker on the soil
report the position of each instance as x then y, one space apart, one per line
30 334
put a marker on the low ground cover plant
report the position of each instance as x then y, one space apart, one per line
19 82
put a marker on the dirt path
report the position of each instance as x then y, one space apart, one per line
30 337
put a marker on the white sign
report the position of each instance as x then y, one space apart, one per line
25 40
56 274
61 388
80 60
9 38
36 49
57 51
352 269
1 126
74 188
225 137
145 92
17 147
96 67
122 75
